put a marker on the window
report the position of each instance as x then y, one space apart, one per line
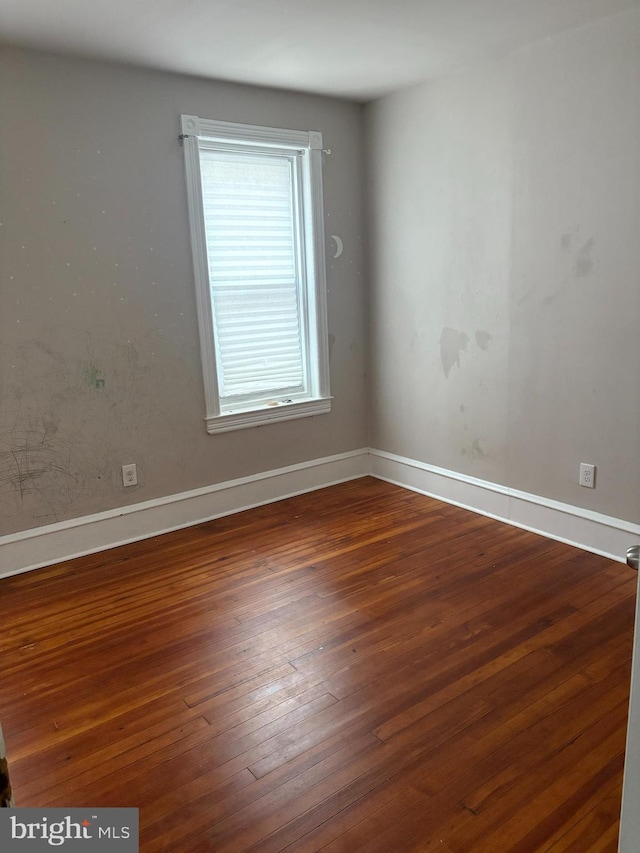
255 209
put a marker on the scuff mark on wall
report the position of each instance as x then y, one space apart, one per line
50 422
452 343
33 463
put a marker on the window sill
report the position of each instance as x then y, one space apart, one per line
268 415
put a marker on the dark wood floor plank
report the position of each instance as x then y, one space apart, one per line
495 810
361 668
322 829
597 831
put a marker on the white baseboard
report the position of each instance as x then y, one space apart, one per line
591 531
53 543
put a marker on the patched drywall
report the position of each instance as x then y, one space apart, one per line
505 213
99 351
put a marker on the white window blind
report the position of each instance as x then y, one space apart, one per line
256 221
253 250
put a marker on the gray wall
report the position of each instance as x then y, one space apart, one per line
505 262
99 353
505 292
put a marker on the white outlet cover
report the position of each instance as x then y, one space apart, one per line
587 475
129 475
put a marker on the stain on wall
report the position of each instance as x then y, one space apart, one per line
452 344
332 340
99 347
584 260
475 450
571 265
94 378
483 339
506 200
64 431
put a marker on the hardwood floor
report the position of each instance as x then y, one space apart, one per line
357 669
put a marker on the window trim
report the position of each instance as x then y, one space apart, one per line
318 402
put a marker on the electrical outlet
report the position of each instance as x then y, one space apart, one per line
587 475
129 475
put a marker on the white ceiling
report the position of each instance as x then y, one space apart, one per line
356 49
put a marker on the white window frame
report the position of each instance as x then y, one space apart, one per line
317 399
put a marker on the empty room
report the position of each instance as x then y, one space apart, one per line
320 426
